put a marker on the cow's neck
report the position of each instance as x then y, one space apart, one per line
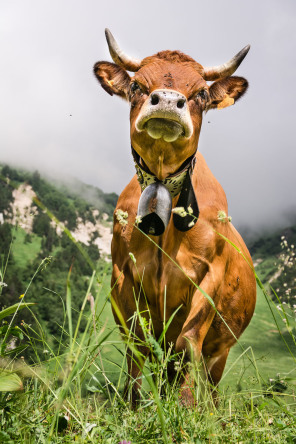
178 183
173 182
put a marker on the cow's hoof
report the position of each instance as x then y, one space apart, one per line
187 398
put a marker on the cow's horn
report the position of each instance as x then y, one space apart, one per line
217 72
119 57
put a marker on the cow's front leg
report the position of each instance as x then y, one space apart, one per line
135 362
191 338
136 354
215 368
127 307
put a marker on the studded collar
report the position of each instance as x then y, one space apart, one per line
173 183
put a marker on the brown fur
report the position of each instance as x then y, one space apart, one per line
173 57
204 256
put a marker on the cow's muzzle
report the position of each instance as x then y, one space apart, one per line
165 114
154 209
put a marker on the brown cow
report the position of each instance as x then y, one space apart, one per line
168 95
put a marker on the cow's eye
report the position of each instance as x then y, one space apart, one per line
202 95
134 86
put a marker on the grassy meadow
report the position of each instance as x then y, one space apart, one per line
74 394
62 360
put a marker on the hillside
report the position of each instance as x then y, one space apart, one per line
30 240
84 210
274 257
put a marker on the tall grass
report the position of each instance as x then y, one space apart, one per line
74 391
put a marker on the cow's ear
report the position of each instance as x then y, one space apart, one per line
226 92
113 78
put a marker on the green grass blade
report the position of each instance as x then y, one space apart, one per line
168 324
10 382
13 308
69 306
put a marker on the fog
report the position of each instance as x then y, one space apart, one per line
55 117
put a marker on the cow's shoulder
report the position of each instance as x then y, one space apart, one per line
125 215
210 195
129 198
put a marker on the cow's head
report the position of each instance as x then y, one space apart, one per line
168 95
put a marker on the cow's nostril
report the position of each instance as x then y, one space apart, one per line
154 99
180 103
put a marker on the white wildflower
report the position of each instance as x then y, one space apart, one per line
133 258
190 210
285 320
191 224
2 284
138 220
180 211
177 366
121 216
222 217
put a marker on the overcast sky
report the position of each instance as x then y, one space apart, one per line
48 48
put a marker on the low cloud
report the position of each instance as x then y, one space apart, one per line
56 118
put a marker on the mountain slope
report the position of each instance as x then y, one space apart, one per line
89 221
274 257
31 241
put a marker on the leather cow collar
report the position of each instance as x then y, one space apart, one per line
173 183
178 183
